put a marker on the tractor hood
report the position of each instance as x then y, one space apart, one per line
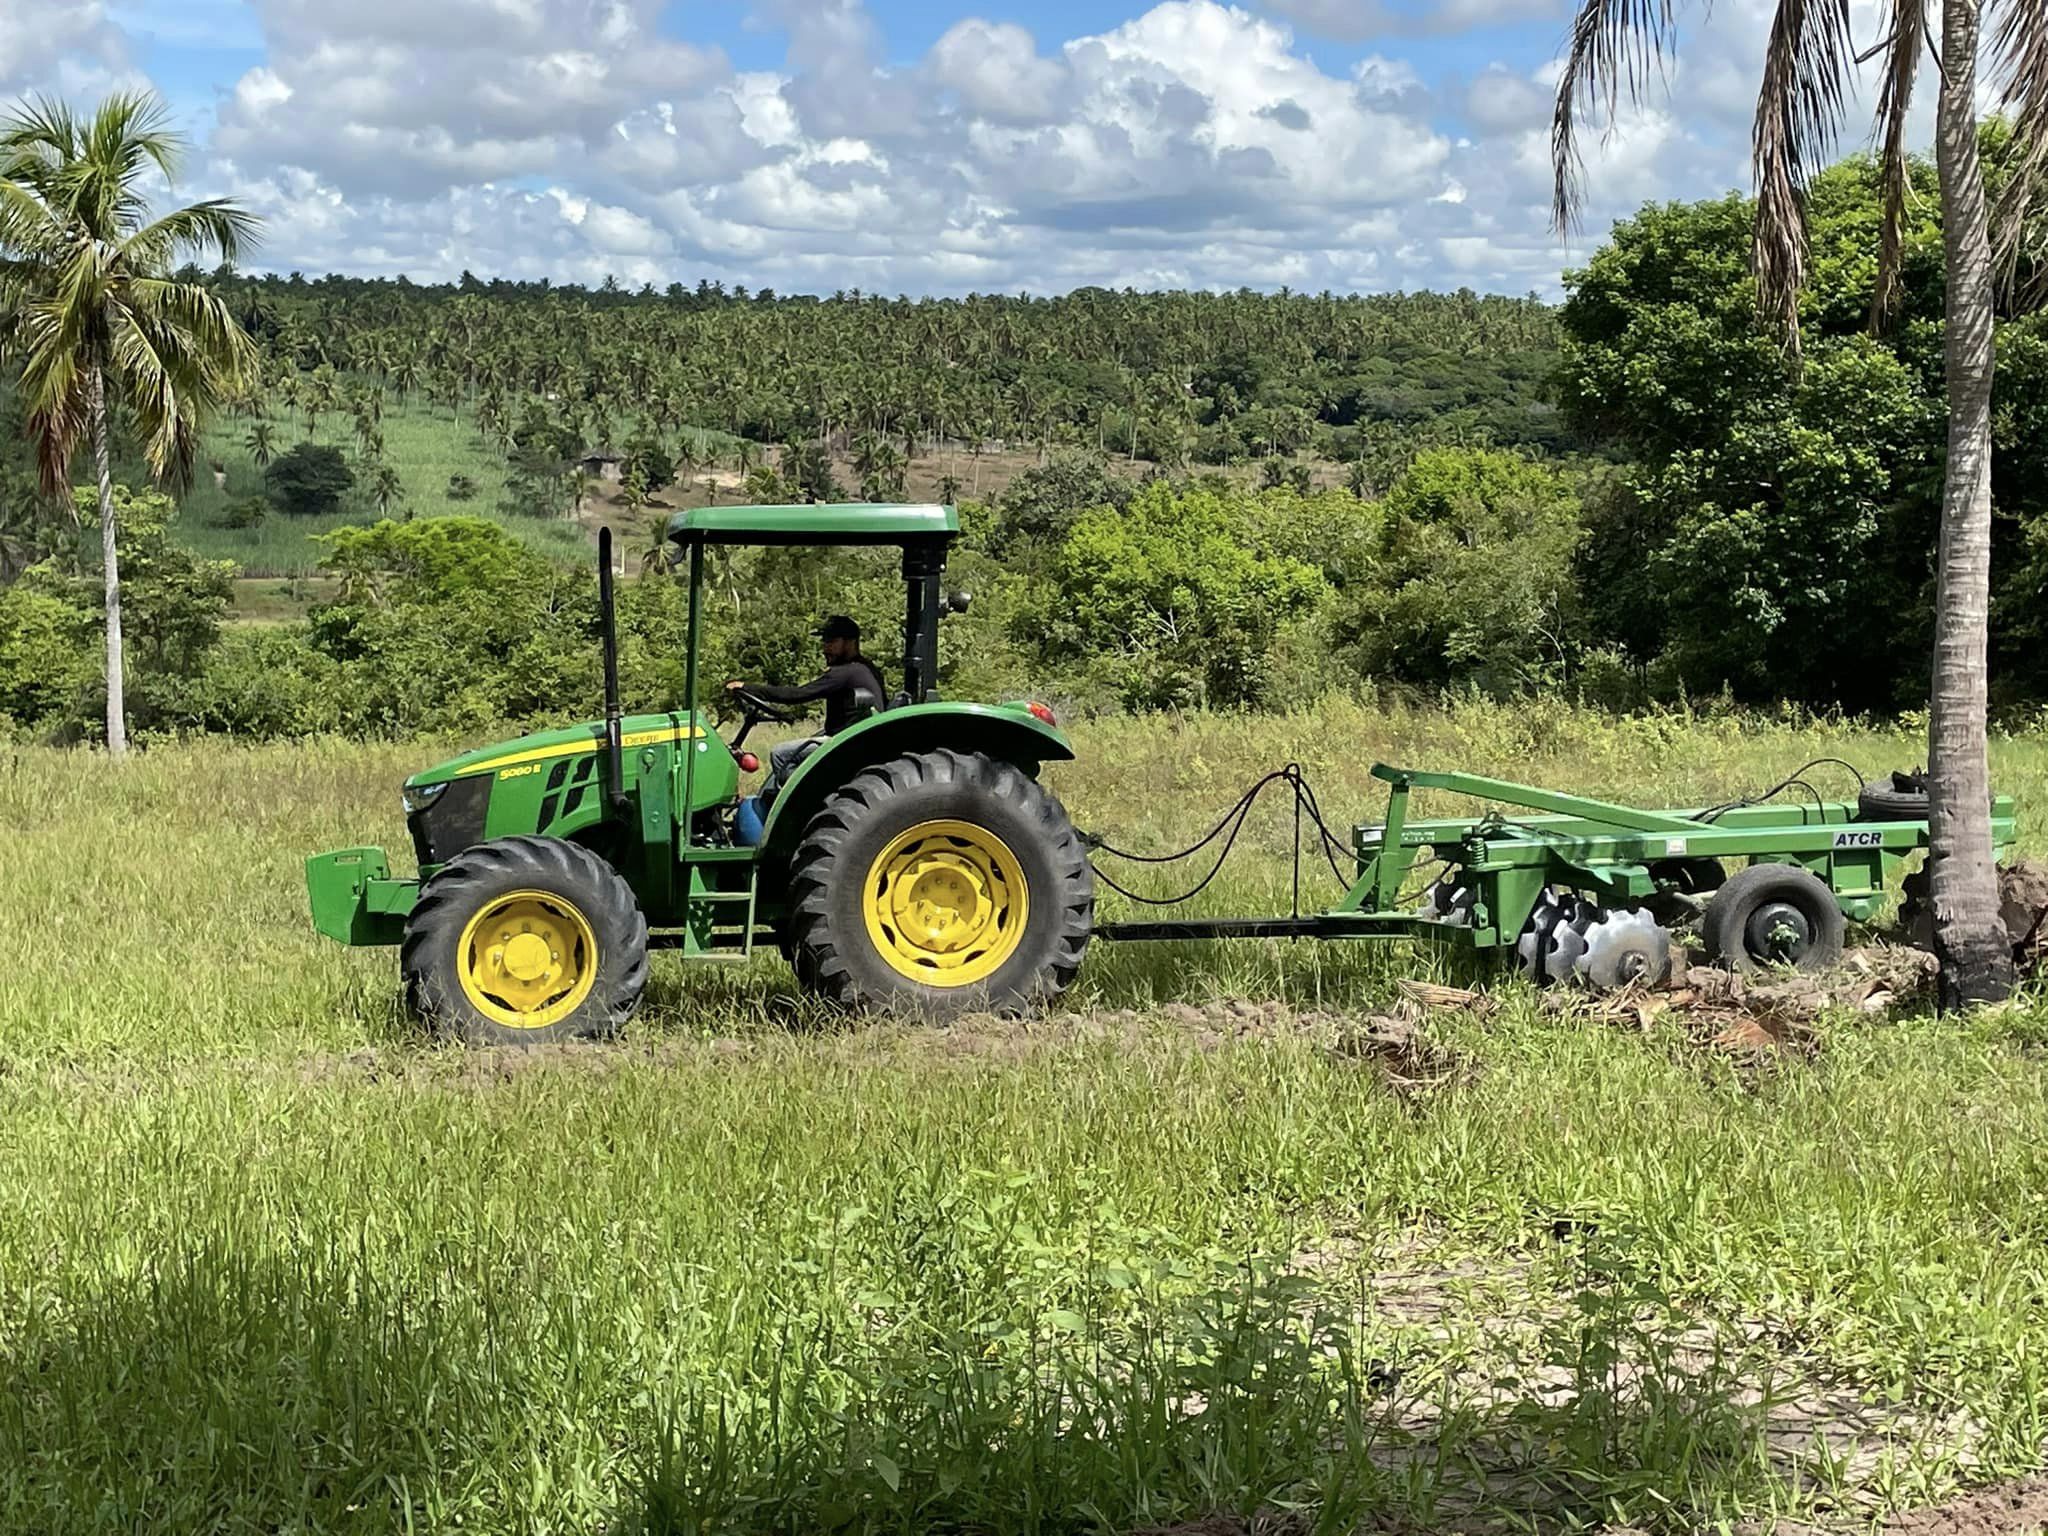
544 746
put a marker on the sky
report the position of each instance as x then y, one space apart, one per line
903 146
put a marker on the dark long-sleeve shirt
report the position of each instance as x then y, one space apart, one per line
838 687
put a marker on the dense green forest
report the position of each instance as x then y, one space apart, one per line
1226 499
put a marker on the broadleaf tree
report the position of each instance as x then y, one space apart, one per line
1810 61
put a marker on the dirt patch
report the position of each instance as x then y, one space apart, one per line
2023 904
1488 1363
1396 1041
1729 1011
2007 1510
2017 1508
1278 1523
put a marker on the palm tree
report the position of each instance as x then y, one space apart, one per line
1808 64
261 443
87 305
658 555
385 488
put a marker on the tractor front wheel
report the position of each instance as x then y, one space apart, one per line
937 884
523 941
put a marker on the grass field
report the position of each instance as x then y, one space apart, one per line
428 445
425 443
1182 1248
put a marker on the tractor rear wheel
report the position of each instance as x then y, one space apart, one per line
940 883
523 941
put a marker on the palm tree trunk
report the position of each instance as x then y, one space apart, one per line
1969 938
117 711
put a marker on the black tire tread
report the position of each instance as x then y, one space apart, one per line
1882 800
450 896
817 961
1747 889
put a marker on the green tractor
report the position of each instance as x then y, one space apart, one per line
912 863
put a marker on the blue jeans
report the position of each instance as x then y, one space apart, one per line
783 759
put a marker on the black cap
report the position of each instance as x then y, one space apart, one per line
839 627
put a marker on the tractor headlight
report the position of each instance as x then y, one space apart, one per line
419 797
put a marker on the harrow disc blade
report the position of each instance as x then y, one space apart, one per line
1568 940
1625 948
1533 947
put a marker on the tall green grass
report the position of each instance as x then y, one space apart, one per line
269 1262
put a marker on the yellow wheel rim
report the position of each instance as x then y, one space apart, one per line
946 903
527 960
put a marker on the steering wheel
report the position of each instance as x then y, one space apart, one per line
754 707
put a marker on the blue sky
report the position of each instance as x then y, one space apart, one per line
926 146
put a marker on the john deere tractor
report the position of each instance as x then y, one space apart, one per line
913 862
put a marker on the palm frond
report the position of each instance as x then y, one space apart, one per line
217 225
1615 45
203 326
53 388
28 226
2021 46
162 382
1808 66
1902 48
131 129
42 129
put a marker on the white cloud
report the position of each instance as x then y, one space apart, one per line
997 73
62 47
1197 144
414 98
1357 20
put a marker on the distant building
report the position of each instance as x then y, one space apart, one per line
604 464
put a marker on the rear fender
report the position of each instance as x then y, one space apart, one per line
1007 735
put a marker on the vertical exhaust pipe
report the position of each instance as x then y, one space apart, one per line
608 630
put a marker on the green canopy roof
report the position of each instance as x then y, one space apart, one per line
822 523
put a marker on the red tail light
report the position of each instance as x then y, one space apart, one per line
749 763
1042 712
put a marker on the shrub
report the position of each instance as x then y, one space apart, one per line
1042 504
48 660
461 488
656 465
310 480
1172 599
1473 585
249 512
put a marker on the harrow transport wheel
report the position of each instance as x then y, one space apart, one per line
1774 914
523 941
1902 797
937 884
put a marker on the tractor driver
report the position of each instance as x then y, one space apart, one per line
850 685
